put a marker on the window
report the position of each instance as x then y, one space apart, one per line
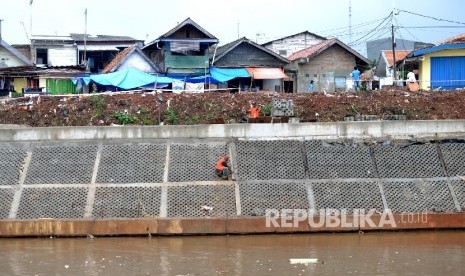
41 56
340 82
282 52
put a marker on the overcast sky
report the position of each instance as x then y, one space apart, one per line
258 20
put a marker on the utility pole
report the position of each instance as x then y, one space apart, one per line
84 57
394 69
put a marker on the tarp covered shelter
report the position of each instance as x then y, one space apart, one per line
226 74
129 78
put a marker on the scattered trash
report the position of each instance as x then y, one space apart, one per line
303 261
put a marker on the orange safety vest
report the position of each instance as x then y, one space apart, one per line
219 165
254 112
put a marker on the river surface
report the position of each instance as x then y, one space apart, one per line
391 253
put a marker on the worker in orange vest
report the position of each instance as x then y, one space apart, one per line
254 110
222 168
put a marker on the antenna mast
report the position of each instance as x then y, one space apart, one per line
350 22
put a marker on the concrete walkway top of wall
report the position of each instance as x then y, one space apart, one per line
334 130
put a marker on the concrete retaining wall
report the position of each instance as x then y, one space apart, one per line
336 130
126 177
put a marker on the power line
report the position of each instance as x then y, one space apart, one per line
434 18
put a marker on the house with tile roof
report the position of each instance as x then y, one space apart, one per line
328 63
386 62
182 51
264 66
131 57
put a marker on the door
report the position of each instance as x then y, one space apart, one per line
447 73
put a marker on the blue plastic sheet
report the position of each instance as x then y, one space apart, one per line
129 78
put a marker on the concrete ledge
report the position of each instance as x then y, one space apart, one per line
353 130
204 226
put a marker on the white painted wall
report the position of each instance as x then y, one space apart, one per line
62 56
138 62
294 44
7 59
270 84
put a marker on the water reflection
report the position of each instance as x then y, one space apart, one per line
408 253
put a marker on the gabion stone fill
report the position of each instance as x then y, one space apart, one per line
135 163
264 160
6 198
201 201
418 196
459 189
328 160
408 161
57 203
195 162
256 198
11 164
348 196
454 158
61 165
126 202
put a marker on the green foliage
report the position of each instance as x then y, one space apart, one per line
266 109
147 121
195 120
98 101
15 94
171 116
124 118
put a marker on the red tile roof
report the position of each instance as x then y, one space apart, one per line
119 57
455 39
313 50
400 54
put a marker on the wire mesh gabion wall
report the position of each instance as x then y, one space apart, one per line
338 160
62 164
126 202
11 163
132 163
201 201
262 160
348 195
194 161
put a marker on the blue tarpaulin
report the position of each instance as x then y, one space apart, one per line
226 74
129 78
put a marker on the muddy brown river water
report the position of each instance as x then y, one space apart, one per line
391 253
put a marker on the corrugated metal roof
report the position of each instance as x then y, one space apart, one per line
91 48
289 36
103 38
225 49
445 46
400 55
209 37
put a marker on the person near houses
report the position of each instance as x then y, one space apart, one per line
254 111
222 168
356 78
412 84
411 77
311 86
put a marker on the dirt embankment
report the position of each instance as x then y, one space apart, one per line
204 108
